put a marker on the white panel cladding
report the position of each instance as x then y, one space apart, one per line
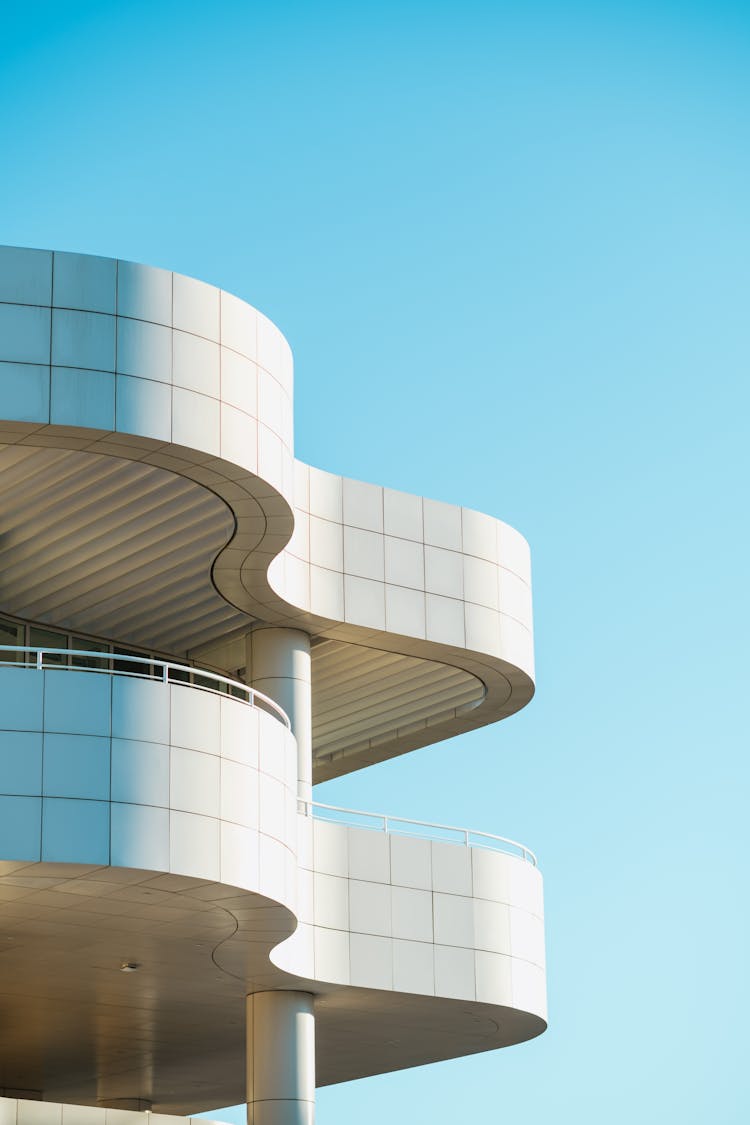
161 329
417 568
18 1111
139 773
419 916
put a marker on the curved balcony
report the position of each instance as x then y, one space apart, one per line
121 761
166 671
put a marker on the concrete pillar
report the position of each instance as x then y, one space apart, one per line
278 663
280 1059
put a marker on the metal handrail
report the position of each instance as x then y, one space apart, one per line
401 826
157 670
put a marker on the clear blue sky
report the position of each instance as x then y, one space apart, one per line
510 247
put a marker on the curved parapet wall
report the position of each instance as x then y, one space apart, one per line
427 924
125 362
114 770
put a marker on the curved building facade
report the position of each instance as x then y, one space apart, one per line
195 628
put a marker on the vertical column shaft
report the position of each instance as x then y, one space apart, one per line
279 664
280 1058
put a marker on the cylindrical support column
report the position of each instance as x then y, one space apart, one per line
278 661
280 1059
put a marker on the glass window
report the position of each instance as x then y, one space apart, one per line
101 664
131 667
11 633
46 639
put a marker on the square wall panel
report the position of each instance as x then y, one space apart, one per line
412 914
414 967
144 350
140 772
480 582
454 920
454 973
195 307
330 848
82 281
404 563
239 732
38 1113
24 388
369 855
270 457
404 611
445 620
272 861
402 515
330 901
526 936
239 382
83 339
194 845
363 553
83 398
21 763
332 956
140 710
493 973
479 535
326 495
239 438
490 874
143 407
269 343
144 292
194 782
492 926
195 421
238 325
194 719
75 831
326 544
76 765
195 364
526 887
442 525
327 592
24 331
411 862
369 908
23 695
443 572
272 807
451 869
77 702
25 276
363 505
239 856
371 961
239 794
140 837
20 828
364 602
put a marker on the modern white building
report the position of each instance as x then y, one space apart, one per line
195 629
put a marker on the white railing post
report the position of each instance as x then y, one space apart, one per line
39 659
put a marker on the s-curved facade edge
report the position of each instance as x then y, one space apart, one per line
166 566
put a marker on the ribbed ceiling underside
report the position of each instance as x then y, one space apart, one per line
122 550
112 548
363 697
